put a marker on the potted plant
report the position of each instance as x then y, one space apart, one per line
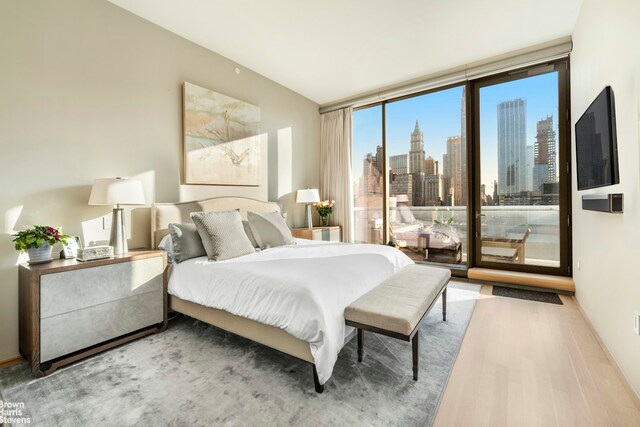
324 209
38 242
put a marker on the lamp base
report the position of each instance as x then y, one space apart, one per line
118 237
309 219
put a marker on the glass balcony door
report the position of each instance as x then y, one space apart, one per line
521 212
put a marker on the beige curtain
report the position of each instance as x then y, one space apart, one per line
335 167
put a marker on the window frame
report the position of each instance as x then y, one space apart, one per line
472 90
563 161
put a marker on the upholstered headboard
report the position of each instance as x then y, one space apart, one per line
162 214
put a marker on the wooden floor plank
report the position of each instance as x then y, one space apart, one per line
525 363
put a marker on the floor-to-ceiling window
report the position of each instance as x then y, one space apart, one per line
497 197
426 142
368 175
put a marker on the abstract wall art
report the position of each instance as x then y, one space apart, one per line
221 139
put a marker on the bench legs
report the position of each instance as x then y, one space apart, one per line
415 342
444 304
415 345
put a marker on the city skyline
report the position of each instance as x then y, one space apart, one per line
443 114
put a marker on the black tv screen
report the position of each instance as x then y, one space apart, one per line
596 145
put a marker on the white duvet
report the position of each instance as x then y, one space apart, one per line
302 288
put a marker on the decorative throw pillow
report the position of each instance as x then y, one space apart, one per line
247 229
166 244
270 229
222 234
187 243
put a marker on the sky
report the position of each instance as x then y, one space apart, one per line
439 116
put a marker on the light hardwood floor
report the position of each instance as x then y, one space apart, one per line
525 363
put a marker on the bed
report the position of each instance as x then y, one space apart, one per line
290 298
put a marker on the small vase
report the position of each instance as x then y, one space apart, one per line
41 254
324 221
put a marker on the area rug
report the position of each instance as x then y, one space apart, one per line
548 297
194 374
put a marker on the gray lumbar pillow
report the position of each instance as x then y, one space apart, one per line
186 242
222 234
270 229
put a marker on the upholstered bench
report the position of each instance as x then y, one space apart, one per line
398 305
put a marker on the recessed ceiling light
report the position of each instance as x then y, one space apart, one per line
237 70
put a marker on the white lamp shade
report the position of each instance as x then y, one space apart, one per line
117 191
308 195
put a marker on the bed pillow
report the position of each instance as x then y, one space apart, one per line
166 244
270 229
247 229
187 243
222 234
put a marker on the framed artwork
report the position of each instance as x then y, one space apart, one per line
221 139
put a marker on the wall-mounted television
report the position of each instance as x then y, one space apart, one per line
596 144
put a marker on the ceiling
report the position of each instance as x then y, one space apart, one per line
334 49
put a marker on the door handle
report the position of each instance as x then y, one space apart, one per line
478 215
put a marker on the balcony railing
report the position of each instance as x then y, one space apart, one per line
541 248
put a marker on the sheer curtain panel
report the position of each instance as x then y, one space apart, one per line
335 167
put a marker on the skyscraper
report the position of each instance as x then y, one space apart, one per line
430 166
530 167
399 164
402 185
453 170
433 190
495 200
416 153
371 180
512 152
416 165
544 169
379 158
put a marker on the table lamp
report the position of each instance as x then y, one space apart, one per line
308 196
117 192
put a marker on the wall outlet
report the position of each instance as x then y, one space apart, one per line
106 222
636 322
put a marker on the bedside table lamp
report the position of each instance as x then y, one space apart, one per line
116 192
308 196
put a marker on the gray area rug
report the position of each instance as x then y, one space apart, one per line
194 374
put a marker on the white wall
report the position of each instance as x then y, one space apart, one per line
88 90
607 247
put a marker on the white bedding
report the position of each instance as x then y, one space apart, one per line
300 288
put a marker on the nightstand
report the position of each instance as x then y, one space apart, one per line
329 233
70 309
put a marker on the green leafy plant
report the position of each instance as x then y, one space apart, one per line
37 236
447 222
